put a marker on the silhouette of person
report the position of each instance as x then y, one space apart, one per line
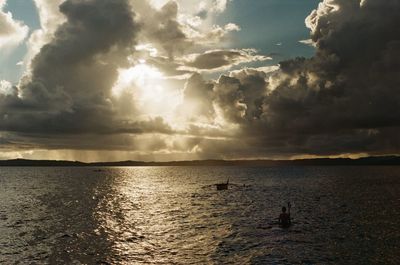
284 218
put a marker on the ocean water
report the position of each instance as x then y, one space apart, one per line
175 215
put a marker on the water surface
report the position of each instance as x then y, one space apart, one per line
174 215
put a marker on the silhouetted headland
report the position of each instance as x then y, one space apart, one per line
366 161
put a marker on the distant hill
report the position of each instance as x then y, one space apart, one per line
367 161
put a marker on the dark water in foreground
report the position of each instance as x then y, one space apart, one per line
171 215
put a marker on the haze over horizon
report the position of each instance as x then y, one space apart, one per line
99 80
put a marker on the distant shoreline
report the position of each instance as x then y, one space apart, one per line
366 161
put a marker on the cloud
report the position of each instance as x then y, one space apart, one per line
174 30
350 84
308 42
216 6
170 30
69 87
216 35
50 19
238 97
219 5
197 100
220 108
213 105
218 60
76 58
12 32
207 8
162 28
342 100
5 87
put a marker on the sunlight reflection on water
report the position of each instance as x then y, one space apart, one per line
171 215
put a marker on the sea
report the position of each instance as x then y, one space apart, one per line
175 215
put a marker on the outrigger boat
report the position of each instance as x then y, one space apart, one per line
222 186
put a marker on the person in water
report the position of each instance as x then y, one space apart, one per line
284 217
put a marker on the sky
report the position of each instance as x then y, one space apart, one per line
98 80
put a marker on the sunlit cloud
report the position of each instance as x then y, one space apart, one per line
219 60
308 42
5 87
12 32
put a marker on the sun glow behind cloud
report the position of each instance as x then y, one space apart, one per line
153 96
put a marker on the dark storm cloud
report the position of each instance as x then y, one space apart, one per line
85 53
345 99
69 90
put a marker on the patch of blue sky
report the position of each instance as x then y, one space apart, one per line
273 27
